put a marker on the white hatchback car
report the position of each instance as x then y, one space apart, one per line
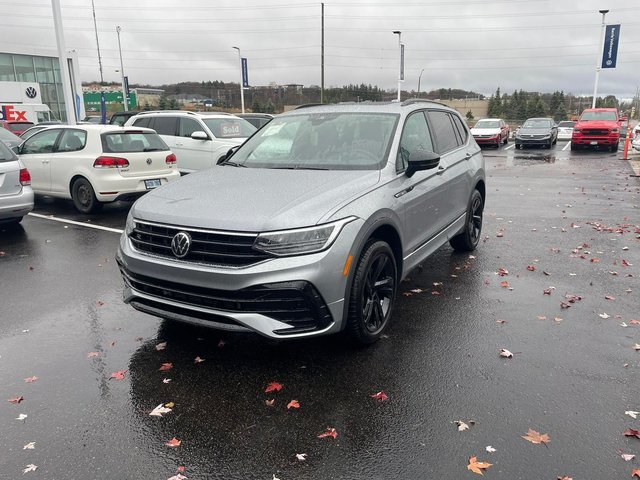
199 140
95 164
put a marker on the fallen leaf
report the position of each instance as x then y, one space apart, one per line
170 405
165 366
29 446
301 456
330 432
634 322
635 473
541 317
161 346
626 264
166 380
15 400
558 319
565 478
92 354
501 321
636 347
609 297
198 360
535 437
274 477
177 476
490 449
505 284
546 273
174 442
119 375
380 396
546 291
565 305
221 343
502 272
31 379
273 387
531 268
30 468
98 303
461 425
632 413
627 457
270 403
159 411
506 353
477 467
632 433
22 416
604 315
293 404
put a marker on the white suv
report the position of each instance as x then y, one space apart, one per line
199 140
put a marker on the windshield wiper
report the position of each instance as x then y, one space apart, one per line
233 164
151 150
298 167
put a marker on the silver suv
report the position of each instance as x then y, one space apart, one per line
309 227
199 140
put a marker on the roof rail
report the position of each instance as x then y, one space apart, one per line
166 111
411 101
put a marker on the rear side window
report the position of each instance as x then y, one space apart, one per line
462 130
6 155
443 131
72 141
141 122
131 142
165 125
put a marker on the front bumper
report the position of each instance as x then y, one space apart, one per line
285 297
595 141
533 141
487 140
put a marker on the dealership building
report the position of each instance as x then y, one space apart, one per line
41 65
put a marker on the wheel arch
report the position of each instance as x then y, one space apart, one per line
75 177
482 188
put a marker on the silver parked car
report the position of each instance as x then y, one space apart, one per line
16 196
311 225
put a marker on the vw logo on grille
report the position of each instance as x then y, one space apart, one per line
31 92
149 161
180 244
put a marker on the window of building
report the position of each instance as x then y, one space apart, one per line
25 71
6 68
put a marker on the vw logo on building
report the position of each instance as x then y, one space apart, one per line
180 244
31 92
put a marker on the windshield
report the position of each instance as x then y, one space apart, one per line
591 116
231 127
566 124
326 141
487 124
119 142
537 123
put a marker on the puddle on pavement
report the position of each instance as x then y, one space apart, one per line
533 159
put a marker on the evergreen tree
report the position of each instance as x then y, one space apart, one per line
560 113
269 107
173 104
256 106
536 107
470 115
162 103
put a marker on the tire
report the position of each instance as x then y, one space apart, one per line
83 196
373 293
506 139
11 223
468 239
573 147
614 148
518 146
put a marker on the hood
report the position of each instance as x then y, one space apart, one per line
534 131
485 131
252 199
596 124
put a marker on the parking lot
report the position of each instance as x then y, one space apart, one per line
554 282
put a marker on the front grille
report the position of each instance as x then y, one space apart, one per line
595 131
226 249
295 303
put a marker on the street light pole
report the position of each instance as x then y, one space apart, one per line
598 58
69 101
400 72
95 27
241 79
125 102
419 78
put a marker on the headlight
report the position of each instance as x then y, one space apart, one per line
300 240
130 225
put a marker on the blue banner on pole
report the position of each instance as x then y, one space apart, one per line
103 109
402 61
611 41
126 86
245 73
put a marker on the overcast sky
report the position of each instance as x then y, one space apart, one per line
536 45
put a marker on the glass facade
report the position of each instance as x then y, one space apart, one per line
44 70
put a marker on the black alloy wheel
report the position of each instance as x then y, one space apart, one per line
468 239
373 292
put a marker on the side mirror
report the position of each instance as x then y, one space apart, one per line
199 135
422 160
229 154
16 149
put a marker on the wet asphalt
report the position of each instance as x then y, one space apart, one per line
573 216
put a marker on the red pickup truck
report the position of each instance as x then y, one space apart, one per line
597 127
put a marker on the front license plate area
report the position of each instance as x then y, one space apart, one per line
151 184
594 143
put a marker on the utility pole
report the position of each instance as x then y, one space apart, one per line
322 55
125 101
401 69
95 27
599 58
419 78
69 101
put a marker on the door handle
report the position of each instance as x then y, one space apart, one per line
468 156
441 170
44 162
179 144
